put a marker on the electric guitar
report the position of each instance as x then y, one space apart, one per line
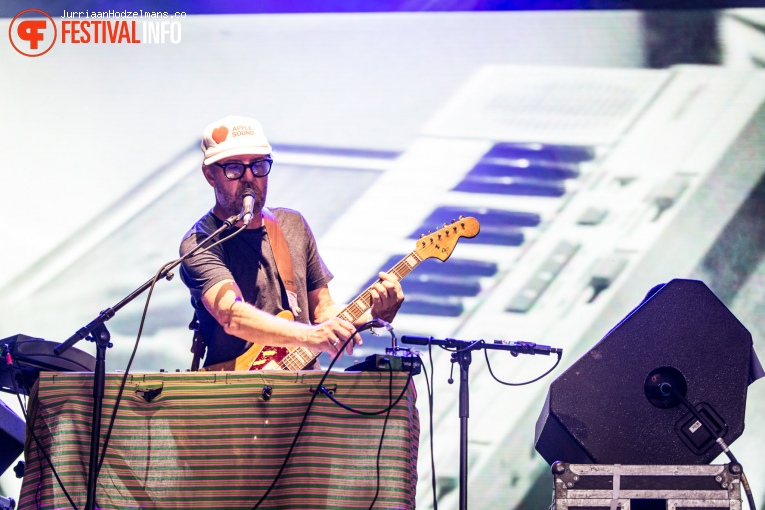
439 245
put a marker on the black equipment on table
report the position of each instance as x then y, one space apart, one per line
12 433
32 355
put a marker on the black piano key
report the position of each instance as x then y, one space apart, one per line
510 186
454 267
485 216
436 286
493 235
441 286
542 152
513 168
429 305
498 236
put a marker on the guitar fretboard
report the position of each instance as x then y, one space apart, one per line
300 357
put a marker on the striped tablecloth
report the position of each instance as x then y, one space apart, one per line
211 440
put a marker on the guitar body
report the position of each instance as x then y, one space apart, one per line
438 244
256 357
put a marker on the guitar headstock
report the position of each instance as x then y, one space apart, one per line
441 243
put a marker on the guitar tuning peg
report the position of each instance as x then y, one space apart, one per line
445 225
422 235
454 221
461 217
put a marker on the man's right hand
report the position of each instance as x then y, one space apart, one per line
329 336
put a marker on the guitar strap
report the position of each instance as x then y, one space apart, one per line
283 260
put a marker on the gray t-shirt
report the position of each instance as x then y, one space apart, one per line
248 260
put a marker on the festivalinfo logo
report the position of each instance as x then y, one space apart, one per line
34 32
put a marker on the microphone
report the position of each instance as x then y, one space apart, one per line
417 340
531 348
248 206
515 348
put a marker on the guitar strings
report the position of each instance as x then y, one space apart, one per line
354 311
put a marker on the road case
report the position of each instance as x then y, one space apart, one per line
650 487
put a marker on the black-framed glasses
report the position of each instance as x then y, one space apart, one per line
235 170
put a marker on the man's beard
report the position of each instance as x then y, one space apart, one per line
231 203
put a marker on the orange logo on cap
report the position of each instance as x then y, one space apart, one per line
219 134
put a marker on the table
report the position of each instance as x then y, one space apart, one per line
214 440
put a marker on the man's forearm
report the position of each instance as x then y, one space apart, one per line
256 326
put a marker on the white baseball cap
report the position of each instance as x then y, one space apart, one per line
233 136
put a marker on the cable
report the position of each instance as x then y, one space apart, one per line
143 320
747 490
375 413
319 388
228 223
431 388
289 452
666 388
9 361
191 253
463 349
127 372
364 413
387 410
488 364
305 418
385 425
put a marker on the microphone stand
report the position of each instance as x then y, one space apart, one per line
95 331
462 354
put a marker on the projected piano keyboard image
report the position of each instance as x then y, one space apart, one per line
582 211
590 186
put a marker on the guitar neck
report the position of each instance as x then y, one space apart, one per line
300 357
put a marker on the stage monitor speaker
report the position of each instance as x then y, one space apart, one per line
605 409
12 434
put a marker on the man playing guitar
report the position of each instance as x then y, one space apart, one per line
237 289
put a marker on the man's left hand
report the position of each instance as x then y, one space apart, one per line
387 297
